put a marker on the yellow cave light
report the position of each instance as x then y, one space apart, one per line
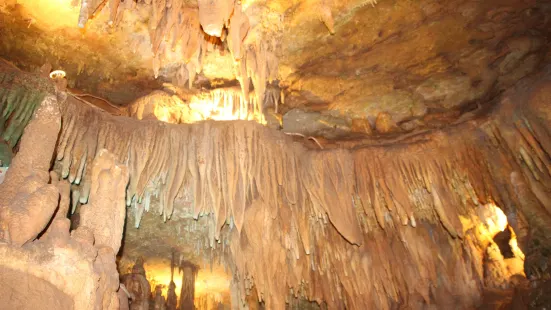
215 282
495 221
52 14
494 218
56 74
222 104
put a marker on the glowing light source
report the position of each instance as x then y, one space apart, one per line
224 105
494 218
494 221
215 282
221 104
52 14
57 74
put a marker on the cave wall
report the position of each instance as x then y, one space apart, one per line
401 216
394 222
25 291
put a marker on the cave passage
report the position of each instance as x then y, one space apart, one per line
286 154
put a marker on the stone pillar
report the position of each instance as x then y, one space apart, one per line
187 294
138 287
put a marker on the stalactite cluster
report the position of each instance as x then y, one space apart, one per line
217 104
322 216
226 104
174 26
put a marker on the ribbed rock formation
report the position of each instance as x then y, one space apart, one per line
399 217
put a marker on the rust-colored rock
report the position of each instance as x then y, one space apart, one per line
106 210
361 125
27 202
385 124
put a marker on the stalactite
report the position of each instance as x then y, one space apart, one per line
214 15
327 18
113 11
372 212
239 27
196 31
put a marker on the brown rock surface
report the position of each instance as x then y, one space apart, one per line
446 204
106 210
37 274
336 205
27 201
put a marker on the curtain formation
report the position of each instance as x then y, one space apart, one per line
338 225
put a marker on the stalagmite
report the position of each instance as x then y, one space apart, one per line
109 181
24 187
189 275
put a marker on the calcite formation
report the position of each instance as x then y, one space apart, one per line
320 216
37 275
138 286
217 104
189 275
20 95
28 201
214 15
195 31
437 189
111 177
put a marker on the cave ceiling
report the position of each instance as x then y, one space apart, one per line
358 58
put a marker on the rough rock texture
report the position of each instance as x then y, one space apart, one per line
314 124
104 213
406 58
138 287
24 291
307 219
27 206
27 202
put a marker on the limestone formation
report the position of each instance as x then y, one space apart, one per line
171 299
159 299
105 213
28 202
187 294
138 287
295 154
36 275
322 205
